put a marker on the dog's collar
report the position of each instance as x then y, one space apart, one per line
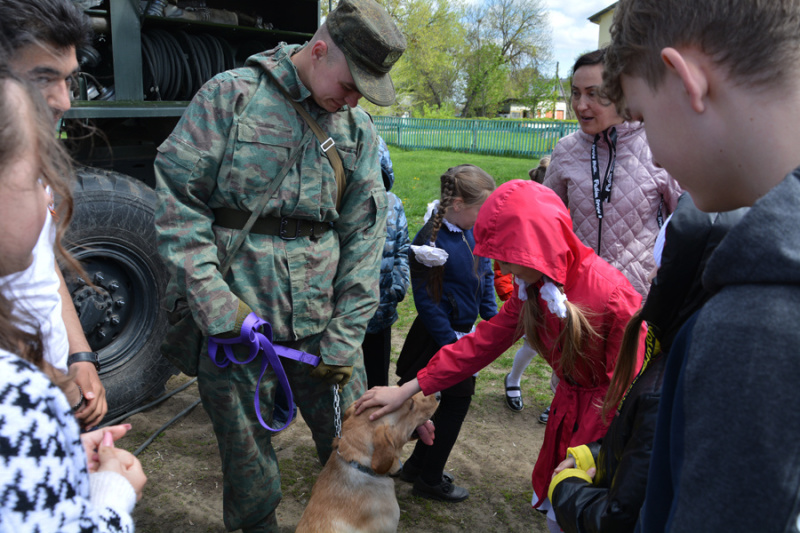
361 468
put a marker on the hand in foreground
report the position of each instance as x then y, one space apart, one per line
389 399
91 442
569 462
242 312
122 462
96 407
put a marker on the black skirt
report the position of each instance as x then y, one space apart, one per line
419 348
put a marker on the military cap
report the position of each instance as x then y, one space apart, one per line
371 43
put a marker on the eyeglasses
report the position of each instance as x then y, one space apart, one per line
594 97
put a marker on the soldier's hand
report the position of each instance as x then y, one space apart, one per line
332 374
241 314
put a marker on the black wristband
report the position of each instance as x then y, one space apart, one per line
81 403
89 357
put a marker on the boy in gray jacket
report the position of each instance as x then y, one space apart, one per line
717 83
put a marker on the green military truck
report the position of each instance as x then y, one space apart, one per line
146 61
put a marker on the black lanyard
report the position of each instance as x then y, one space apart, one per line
603 194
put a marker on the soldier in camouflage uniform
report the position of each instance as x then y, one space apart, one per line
318 290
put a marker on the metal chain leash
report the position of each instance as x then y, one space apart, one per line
337 413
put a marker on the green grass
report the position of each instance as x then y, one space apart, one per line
417 172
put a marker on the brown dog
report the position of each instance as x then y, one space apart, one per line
353 492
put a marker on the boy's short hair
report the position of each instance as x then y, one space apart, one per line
59 23
755 40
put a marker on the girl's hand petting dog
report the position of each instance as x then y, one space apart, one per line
389 399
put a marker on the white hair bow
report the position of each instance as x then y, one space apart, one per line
429 255
555 298
549 292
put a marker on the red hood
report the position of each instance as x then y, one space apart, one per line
525 223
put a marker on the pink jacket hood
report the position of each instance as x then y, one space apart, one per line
527 224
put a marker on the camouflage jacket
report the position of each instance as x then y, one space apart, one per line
232 139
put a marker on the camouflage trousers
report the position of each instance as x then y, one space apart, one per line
251 477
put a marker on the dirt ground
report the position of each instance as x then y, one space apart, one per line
493 458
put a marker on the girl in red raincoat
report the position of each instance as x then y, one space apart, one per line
571 305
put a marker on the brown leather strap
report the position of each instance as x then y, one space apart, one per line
327 145
286 228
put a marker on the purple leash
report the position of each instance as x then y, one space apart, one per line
260 342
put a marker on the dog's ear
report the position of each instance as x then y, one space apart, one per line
384 449
348 413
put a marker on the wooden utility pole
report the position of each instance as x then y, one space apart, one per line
556 92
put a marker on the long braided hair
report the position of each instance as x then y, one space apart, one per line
473 185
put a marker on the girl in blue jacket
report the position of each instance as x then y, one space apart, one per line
451 287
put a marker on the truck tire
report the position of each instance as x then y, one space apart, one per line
113 235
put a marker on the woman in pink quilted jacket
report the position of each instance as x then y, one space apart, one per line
605 174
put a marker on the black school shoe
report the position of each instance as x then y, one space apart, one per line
544 416
410 473
513 403
444 491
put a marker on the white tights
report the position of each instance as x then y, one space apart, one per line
522 359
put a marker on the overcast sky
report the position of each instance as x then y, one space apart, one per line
573 34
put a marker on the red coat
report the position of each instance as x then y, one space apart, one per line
525 223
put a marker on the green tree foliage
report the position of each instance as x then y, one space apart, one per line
472 56
446 110
487 72
432 64
528 87
507 38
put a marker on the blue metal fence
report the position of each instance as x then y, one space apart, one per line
495 137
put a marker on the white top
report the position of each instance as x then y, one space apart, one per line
43 474
35 293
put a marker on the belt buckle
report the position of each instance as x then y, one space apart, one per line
282 232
